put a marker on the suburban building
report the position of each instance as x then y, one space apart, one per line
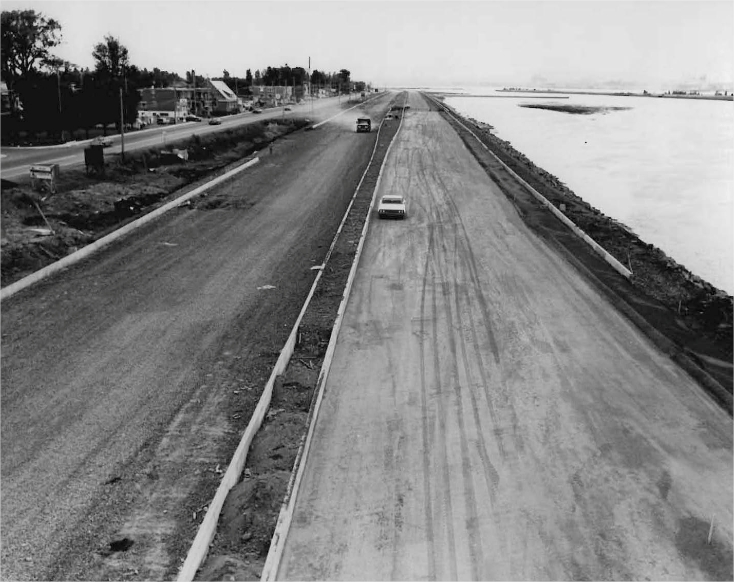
225 101
163 105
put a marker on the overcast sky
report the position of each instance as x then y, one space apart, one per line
413 43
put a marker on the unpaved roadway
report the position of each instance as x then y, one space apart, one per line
489 415
128 379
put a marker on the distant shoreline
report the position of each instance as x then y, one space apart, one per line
621 94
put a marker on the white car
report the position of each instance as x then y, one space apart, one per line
392 206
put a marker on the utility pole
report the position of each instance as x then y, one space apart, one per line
193 81
58 88
122 128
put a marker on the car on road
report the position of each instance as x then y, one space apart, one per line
286 109
392 206
192 118
257 110
102 140
215 121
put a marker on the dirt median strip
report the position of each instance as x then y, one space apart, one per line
249 513
277 545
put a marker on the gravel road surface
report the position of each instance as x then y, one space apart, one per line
489 415
128 379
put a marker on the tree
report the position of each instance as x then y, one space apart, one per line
343 79
111 58
248 77
318 78
27 38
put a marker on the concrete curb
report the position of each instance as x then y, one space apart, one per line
88 250
205 534
282 527
619 267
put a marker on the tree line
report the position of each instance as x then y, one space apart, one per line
58 96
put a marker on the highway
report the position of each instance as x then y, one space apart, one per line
15 162
489 415
128 379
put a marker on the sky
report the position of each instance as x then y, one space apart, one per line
414 43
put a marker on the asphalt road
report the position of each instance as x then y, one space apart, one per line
126 379
15 162
490 416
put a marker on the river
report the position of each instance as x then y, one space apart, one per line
663 167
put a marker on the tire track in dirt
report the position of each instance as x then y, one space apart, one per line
455 325
432 549
446 273
436 211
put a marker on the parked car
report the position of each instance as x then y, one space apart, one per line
257 110
215 121
286 108
392 206
192 118
102 140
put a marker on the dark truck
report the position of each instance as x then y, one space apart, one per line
364 124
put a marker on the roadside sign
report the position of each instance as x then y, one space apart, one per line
44 176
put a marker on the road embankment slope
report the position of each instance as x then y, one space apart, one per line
489 414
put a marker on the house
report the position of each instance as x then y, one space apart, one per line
224 98
164 105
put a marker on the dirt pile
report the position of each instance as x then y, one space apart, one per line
38 228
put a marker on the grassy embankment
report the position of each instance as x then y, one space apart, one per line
39 228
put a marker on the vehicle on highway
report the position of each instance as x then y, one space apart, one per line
215 121
102 140
392 206
192 118
364 124
257 110
286 108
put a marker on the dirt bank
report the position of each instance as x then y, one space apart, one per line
686 316
39 228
